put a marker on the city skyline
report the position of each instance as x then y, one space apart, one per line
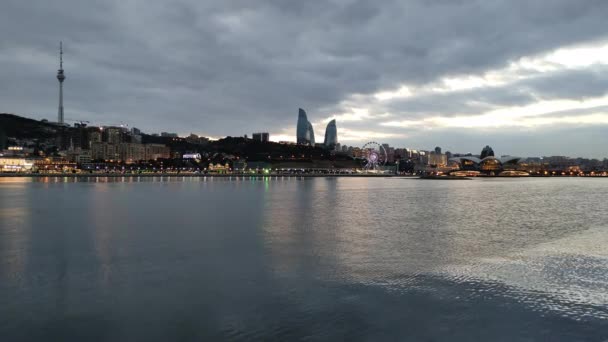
540 92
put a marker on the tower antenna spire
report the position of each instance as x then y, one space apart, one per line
60 78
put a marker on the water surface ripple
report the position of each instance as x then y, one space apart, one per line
279 258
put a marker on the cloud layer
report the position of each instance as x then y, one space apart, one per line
517 75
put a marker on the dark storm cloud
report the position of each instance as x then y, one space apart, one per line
232 67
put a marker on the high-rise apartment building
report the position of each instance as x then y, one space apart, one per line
263 137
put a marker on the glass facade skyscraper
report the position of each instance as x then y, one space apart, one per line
302 128
311 134
304 133
331 135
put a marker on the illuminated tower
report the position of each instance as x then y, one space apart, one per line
60 78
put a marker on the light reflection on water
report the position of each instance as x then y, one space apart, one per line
291 258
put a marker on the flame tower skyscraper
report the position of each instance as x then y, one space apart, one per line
60 78
304 132
331 135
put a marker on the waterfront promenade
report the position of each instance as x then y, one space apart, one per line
190 174
266 175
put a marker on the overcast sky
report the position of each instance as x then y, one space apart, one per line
529 78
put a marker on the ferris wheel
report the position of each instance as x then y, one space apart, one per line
374 155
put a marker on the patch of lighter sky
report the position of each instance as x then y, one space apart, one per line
575 57
538 114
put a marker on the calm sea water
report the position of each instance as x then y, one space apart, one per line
303 259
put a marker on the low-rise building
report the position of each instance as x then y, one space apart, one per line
157 151
54 165
15 164
560 164
79 156
132 152
105 151
438 159
129 152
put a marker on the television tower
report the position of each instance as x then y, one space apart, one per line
60 78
